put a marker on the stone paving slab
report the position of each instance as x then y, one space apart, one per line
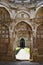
20 63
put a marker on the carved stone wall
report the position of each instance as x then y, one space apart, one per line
20 22
23 31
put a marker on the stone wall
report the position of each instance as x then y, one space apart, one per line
22 22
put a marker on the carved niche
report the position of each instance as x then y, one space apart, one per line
22 26
4 16
22 16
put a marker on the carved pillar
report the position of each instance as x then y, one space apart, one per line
10 48
31 46
14 45
35 50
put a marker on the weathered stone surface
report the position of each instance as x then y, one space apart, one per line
19 21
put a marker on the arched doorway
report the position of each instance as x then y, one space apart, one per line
23 38
22 43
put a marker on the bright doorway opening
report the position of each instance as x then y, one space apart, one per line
22 52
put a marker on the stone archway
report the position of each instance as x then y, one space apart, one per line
5 20
22 43
24 30
4 16
39 34
39 14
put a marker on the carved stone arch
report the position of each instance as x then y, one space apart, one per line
26 23
4 16
37 9
24 12
39 14
39 4
7 9
23 33
22 23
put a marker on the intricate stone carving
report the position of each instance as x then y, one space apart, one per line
23 15
22 26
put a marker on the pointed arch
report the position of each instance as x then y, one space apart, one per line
37 9
4 16
25 12
2 6
26 23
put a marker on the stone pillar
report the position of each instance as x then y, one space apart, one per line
31 47
10 47
35 50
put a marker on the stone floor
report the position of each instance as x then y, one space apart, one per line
20 63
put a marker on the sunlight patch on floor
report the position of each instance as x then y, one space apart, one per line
23 55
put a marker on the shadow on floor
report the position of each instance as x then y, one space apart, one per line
20 63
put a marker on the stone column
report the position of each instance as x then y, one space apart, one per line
31 46
35 50
10 47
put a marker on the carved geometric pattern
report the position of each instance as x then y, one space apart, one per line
4 16
4 39
22 26
39 39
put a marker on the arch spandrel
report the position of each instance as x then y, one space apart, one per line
22 16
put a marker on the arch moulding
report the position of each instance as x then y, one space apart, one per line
6 9
25 12
38 9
